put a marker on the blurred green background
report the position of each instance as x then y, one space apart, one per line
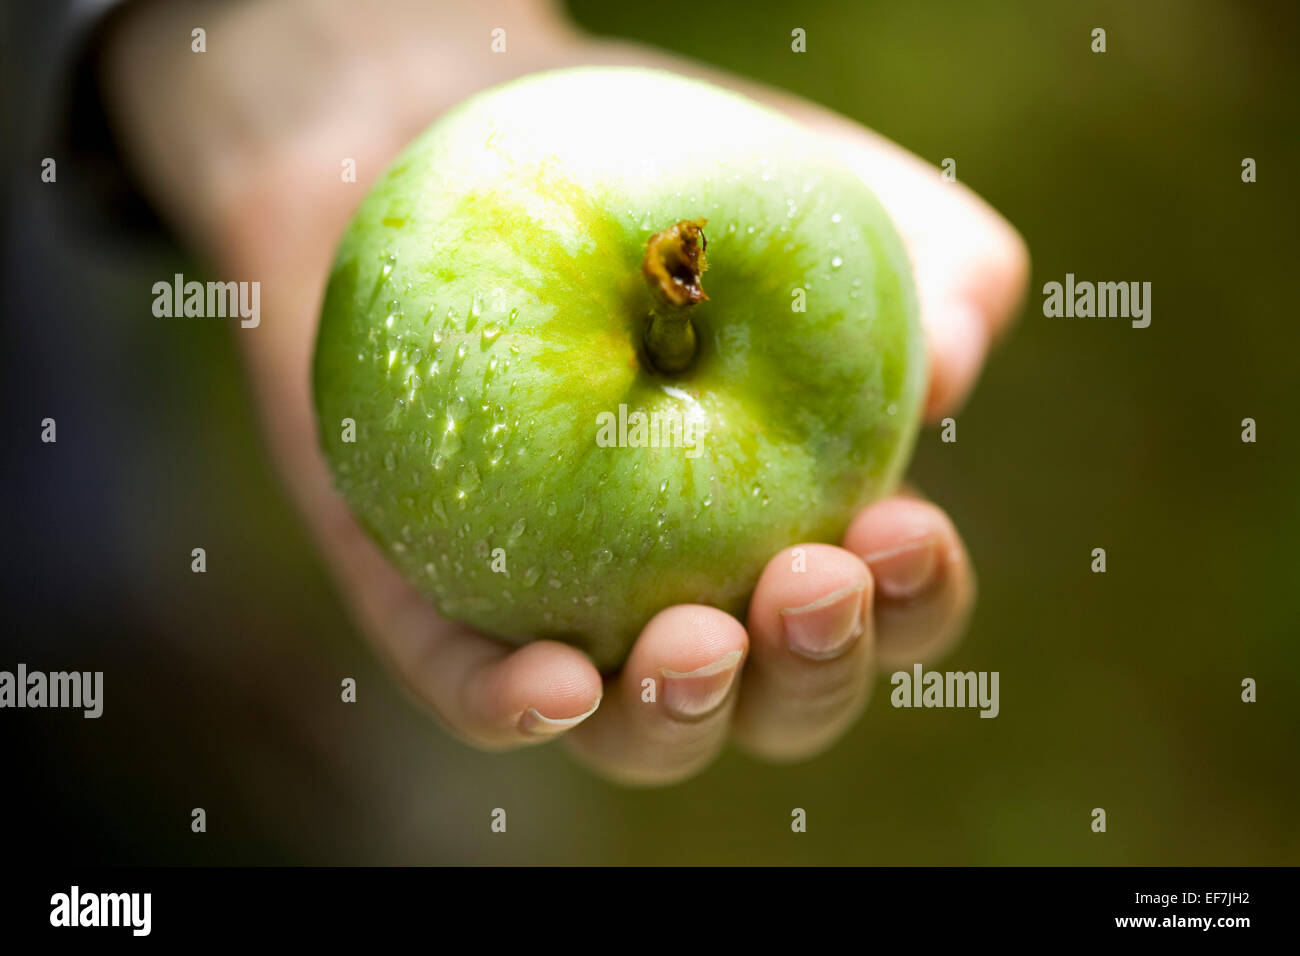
1119 690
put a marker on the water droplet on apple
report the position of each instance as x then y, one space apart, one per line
708 499
489 334
836 262
475 310
390 461
517 529
604 556
836 217
555 584
469 479
531 576
552 510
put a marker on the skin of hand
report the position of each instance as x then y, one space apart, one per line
241 148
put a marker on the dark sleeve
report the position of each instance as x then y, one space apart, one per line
59 111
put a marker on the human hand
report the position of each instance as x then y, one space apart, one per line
242 147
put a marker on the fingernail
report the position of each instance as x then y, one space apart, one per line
906 570
692 694
536 724
827 627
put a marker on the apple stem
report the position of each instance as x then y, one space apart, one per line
674 261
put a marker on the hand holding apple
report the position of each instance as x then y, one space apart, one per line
897 589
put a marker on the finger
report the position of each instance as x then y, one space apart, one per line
486 693
925 585
956 341
808 676
665 717
499 699
970 280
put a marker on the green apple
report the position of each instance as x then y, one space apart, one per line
605 340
